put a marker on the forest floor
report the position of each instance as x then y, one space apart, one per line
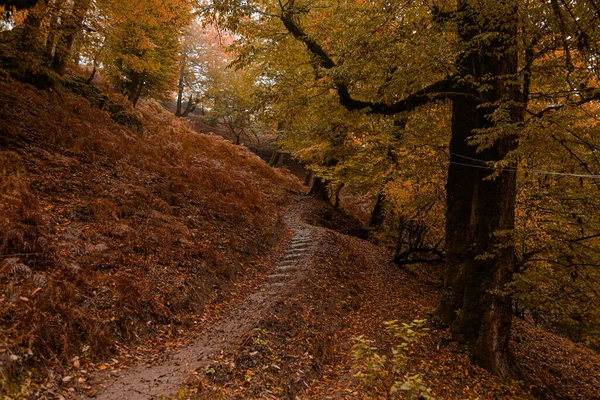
293 334
153 379
114 240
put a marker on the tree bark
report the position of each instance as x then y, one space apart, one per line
276 159
378 214
319 190
480 255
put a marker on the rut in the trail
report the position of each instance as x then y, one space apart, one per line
166 379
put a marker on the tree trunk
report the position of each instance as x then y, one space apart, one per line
319 189
480 254
308 178
276 159
72 28
190 107
136 91
336 203
90 79
180 85
378 214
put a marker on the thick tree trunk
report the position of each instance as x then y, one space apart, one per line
480 210
319 189
480 259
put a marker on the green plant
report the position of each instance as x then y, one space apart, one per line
370 364
373 367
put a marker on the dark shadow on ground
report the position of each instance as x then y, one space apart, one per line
325 215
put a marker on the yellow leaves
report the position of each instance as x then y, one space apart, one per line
141 41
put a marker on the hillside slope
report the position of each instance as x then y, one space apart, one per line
107 235
328 339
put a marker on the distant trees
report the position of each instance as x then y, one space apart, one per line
196 55
229 98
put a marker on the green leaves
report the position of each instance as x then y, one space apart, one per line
372 367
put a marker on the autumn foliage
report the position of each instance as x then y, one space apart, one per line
463 135
109 235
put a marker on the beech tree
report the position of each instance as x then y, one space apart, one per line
491 61
141 53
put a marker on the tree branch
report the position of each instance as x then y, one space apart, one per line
589 95
447 88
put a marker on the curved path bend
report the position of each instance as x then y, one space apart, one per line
143 382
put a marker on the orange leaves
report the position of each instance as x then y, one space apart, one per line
137 230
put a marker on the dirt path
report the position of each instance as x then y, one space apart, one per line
167 378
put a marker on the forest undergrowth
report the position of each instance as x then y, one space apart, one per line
110 237
306 347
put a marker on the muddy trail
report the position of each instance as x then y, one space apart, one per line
165 379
